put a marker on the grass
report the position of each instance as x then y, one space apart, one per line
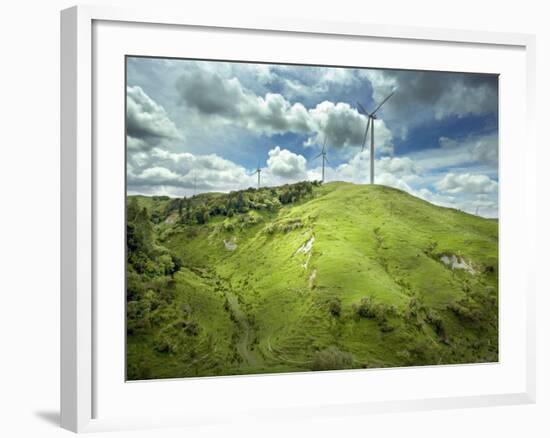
264 307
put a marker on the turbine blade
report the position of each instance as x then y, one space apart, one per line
366 133
325 143
383 102
326 159
317 156
362 109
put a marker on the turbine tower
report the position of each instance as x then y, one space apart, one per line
258 171
370 123
325 159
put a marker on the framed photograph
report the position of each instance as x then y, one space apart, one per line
283 219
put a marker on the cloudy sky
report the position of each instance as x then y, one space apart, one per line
198 126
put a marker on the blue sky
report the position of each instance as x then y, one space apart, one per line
205 126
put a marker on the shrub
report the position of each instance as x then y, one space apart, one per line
191 329
332 358
177 263
466 311
249 219
335 307
137 316
435 320
166 264
414 308
139 371
365 308
228 226
164 343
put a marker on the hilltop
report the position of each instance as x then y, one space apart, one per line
307 277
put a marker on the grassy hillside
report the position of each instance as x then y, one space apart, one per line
317 277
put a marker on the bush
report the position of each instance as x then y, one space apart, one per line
415 308
228 226
332 358
466 311
249 219
435 320
191 329
164 343
137 316
335 307
140 371
365 308
177 263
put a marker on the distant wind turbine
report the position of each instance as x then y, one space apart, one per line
370 123
325 159
258 171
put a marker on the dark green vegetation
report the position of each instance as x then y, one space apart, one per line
307 277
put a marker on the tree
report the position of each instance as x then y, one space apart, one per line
202 215
240 205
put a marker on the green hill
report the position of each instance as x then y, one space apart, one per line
307 277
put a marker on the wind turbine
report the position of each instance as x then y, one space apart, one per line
370 123
325 159
258 171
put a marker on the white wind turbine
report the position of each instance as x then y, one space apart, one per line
370 123
325 159
258 171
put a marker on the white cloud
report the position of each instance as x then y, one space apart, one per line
286 164
228 102
481 149
382 84
343 126
401 166
396 172
391 180
180 174
224 105
485 149
461 99
147 122
468 192
466 183
355 170
422 96
136 144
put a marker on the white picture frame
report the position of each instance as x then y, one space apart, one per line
81 169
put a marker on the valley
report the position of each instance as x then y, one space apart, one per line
306 277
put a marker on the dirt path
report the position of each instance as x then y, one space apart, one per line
245 342
246 339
